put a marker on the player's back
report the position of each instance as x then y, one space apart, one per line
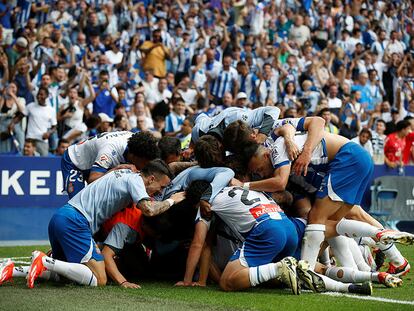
201 126
106 149
240 208
263 117
108 195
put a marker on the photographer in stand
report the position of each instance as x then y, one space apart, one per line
70 116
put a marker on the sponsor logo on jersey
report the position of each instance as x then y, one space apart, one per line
262 209
70 187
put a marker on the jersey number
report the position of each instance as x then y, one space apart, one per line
244 199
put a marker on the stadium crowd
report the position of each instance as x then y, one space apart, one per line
73 69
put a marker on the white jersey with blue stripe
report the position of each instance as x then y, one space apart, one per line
240 209
219 177
247 84
297 123
185 55
108 195
264 119
224 82
101 152
279 155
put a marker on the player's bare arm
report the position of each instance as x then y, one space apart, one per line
153 208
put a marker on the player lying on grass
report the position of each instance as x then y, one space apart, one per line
75 254
92 158
259 220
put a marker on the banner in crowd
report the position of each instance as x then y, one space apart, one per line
31 182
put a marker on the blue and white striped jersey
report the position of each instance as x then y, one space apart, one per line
224 82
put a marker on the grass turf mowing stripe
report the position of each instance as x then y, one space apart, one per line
379 299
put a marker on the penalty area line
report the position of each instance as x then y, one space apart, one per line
378 299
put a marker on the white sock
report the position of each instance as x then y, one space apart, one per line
334 286
76 272
392 253
356 229
357 255
324 258
263 273
311 243
349 275
22 271
340 248
368 258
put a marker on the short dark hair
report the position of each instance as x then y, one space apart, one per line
322 111
366 131
380 121
236 135
235 162
143 145
63 141
169 145
249 151
30 141
402 125
157 167
208 152
42 88
195 191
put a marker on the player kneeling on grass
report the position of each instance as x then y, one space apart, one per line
75 254
258 218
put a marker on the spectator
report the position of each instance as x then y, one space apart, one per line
155 55
175 119
364 140
325 114
12 110
391 125
41 121
395 144
106 123
29 149
105 100
62 146
350 116
378 141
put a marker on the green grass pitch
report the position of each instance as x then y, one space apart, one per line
163 296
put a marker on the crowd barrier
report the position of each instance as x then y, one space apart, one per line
31 190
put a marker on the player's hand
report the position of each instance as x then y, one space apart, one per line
301 163
130 285
236 182
198 284
205 210
183 284
292 149
178 197
186 154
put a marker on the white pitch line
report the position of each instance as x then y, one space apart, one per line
379 299
15 258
